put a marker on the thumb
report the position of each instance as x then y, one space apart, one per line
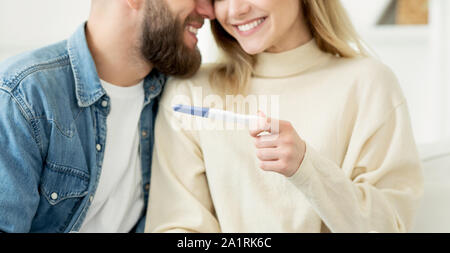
264 121
261 114
268 124
260 125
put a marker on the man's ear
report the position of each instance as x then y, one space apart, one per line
135 4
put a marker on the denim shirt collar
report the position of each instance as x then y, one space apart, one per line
87 83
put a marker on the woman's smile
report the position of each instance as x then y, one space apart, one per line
250 27
263 25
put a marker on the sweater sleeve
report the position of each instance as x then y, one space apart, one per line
377 188
179 196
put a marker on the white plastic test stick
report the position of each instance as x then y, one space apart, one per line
217 114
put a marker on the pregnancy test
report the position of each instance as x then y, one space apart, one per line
216 114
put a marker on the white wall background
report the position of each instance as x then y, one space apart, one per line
27 24
414 53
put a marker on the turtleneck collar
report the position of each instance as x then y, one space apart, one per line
289 63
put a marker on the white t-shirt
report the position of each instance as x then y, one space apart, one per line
118 202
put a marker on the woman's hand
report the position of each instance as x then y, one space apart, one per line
282 150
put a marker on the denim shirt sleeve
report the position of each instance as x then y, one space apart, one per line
20 166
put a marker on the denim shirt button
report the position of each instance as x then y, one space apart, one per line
91 198
98 147
104 103
147 187
54 196
144 134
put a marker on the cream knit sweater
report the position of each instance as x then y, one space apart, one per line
361 171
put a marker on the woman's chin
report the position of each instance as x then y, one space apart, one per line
251 50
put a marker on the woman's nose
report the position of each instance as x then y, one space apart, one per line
238 8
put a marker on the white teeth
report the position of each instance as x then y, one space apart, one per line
192 29
249 26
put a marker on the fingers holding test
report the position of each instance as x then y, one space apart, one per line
267 154
267 141
264 124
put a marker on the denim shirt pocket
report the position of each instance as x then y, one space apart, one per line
60 183
62 191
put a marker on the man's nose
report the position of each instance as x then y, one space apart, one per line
205 9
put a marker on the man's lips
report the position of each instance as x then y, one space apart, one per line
193 28
195 25
194 21
192 25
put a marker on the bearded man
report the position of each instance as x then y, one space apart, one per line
77 117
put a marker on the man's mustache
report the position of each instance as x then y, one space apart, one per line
194 18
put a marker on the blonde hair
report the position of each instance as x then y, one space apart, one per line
329 24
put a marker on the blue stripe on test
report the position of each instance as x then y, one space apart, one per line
192 110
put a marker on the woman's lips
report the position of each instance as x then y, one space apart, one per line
248 28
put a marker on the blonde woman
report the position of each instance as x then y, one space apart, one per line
342 159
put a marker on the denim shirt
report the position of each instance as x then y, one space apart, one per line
52 137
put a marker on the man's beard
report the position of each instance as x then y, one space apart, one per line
163 42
